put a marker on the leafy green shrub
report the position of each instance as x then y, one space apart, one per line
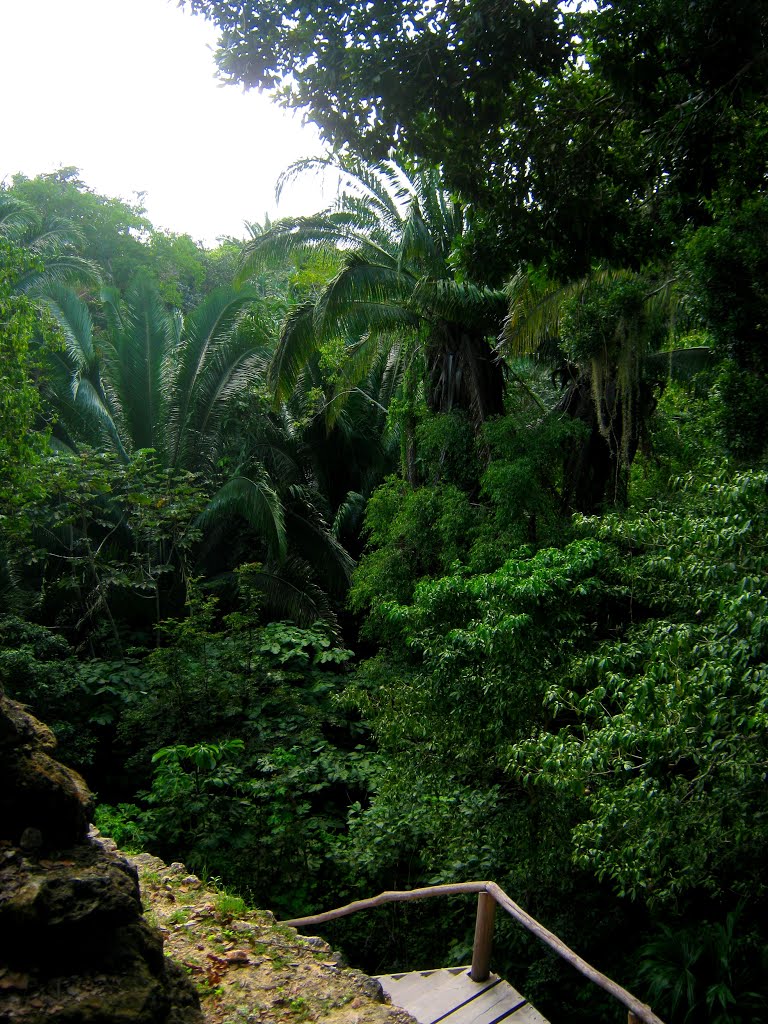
253 763
78 699
412 534
609 317
122 823
586 724
726 265
663 730
707 971
523 484
446 450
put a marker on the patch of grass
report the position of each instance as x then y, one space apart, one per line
178 916
279 961
230 906
151 917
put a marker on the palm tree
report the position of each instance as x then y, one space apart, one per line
158 380
603 332
51 243
396 234
183 386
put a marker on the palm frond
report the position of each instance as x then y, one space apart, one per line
74 318
383 186
417 243
200 372
290 592
90 400
359 385
277 454
296 170
680 364
460 302
229 373
311 536
360 281
142 332
257 503
59 268
77 391
17 217
355 228
294 349
349 514
534 313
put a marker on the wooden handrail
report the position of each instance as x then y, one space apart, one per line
637 1011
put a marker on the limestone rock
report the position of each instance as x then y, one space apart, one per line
74 946
38 792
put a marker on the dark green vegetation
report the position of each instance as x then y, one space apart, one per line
424 539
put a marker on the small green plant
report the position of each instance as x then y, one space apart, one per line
123 824
300 1007
150 916
178 916
208 989
708 971
230 906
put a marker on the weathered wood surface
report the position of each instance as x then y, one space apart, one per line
481 948
449 996
390 896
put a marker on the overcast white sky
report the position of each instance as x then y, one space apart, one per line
126 91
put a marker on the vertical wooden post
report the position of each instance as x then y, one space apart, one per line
481 950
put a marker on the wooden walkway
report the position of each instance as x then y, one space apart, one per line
449 995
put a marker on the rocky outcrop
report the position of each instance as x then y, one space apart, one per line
248 967
74 945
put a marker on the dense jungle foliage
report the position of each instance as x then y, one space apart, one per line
425 539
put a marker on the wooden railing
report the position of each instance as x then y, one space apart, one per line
489 895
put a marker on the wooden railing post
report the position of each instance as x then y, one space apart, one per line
481 950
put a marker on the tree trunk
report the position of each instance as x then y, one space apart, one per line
594 476
464 373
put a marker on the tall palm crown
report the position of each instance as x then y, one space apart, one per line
184 386
165 381
603 332
396 235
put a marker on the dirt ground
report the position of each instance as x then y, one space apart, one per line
247 968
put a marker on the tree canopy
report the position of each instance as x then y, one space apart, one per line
579 133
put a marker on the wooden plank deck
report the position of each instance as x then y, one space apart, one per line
449 996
